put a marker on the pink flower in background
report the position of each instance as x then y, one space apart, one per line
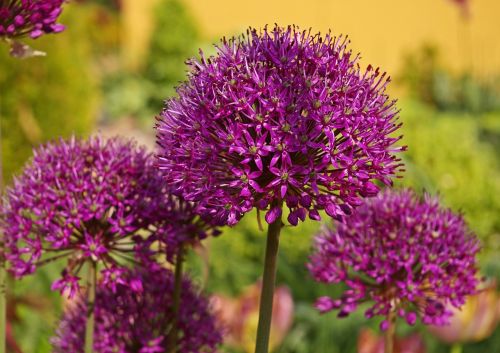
464 6
369 342
240 316
461 2
476 320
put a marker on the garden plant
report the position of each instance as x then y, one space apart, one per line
279 123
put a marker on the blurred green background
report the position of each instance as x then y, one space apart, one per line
117 61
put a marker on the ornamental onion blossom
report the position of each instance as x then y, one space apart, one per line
279 116
84 200
182 224
178 221
410 256
19 18
126 323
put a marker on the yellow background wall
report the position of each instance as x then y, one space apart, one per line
382 30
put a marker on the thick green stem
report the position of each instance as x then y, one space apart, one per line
390 334
267 293
91 289
174 333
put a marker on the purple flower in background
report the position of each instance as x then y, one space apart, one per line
182 224
411 257
19 18
179 225
141 322
279 116
90 201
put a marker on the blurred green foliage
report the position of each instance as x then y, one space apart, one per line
37 308
141 94
447 154
431 82
110 4
175 40
46 97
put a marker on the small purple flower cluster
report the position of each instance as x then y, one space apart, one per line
141 322
19 18
279 116
87 200
410 256
183 225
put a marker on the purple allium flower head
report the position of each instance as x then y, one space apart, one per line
409 256
182 224
180 221
278 116
87 200
140 323
19 18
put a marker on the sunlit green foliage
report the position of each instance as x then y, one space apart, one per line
448 154
141 94
46 97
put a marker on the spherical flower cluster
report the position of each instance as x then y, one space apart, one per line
279 116
86 200
409 256
183 226
180 222
19 18
141 322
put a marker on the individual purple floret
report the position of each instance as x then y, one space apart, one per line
278 116
411 257
85 200
19 18
126 322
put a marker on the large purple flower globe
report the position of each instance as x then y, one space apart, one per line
279 116
89 201
408 256
126 323
19 18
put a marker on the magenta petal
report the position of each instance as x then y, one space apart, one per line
36 33
293 218
411 318
273 214
58 28
283 190
302 214
245 192
314 215
331 210
325 304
